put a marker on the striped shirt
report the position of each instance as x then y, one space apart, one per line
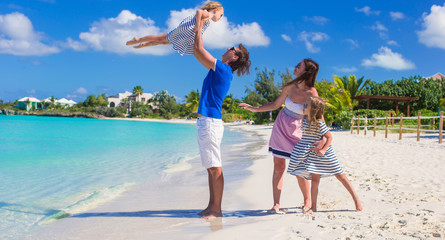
183 37
303 161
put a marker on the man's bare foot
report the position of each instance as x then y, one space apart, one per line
133 41
211 216
204 212
146 44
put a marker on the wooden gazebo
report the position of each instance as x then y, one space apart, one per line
367 98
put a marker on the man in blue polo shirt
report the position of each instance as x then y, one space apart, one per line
209 124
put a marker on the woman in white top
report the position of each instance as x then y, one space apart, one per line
286 132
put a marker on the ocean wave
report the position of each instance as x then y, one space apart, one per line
91 201
181 165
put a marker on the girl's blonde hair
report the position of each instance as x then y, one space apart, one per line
211 5
316 112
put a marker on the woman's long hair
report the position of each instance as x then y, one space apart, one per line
309 75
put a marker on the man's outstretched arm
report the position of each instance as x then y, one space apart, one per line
204 57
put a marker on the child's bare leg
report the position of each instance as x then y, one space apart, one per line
314 192
305 190
345 181
133 41
152 40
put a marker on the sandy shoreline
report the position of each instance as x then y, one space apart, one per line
400 183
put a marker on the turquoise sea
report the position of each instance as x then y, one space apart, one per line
52 167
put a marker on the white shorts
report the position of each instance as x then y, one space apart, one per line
210 133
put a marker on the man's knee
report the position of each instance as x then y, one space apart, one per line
215 170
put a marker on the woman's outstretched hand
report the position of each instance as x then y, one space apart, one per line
246 106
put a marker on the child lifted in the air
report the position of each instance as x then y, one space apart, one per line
183 36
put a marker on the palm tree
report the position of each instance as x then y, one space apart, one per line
192 100
27 102
53 102
350 83
42 104
138 90
230 103
339 100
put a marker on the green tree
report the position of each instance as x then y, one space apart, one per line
352 84
166 104
28 103
91 101
100 100
265 92
192 100
230 104
42 104
138 90
442 103
285 78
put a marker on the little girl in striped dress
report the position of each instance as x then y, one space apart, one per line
313 166
183 36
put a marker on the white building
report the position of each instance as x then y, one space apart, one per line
116 101
65 102
28 103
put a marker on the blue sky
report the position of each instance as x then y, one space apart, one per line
75 48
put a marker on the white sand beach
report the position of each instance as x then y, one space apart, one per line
401 185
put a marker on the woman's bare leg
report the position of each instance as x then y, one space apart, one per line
345 181
277 181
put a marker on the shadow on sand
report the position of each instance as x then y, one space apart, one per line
191 213
173 213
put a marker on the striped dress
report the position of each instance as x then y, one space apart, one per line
183 37
303 161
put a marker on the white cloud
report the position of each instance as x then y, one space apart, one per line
346 69
310 37
286 38
37 63
397 15
75 45
17 37
110 34
381 29
354 44
392 42
81 91
367 11
433 33
385 58
320 20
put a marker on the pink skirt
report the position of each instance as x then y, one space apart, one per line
286 133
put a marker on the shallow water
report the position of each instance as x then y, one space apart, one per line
54 167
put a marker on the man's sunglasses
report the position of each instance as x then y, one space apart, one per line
233 49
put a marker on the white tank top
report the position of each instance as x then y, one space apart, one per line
294 107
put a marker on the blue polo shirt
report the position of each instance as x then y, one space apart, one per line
214 90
